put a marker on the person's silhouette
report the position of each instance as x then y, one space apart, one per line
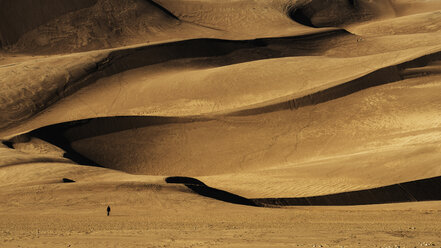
108 210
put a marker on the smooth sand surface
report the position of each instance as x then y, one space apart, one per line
261 99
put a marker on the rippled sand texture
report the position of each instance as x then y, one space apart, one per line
256 99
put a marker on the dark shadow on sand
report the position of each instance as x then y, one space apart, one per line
55 135
413 191
63 133
9 144
204 190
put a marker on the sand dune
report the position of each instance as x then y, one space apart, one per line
201 99
254 121
272 103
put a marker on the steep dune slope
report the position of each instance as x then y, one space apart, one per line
327 13
239 18
21 16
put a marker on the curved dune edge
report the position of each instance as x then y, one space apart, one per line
147 145
414 191
381 76
391 71
127 134
64 81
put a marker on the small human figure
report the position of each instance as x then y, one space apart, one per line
108 210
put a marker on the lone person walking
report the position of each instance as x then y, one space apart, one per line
108 210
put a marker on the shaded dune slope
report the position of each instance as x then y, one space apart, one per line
318 13
20 16
419 190
78 25
239 18
82 129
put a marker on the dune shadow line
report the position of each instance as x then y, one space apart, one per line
413 191
66 132
204 190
